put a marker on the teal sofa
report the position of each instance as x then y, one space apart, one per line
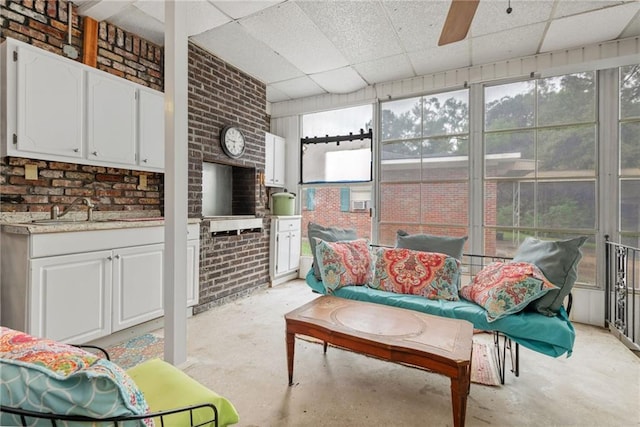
552 336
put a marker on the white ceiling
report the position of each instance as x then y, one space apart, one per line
302 48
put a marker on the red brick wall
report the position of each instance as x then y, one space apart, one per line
44 24
60 183
327 213
433 208
221 95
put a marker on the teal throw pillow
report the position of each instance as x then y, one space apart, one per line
452 246
558 261
328 234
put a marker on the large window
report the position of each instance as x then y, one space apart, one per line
336 177
424 165
629 159
540 153
337 151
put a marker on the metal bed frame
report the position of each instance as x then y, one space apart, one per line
115 421
473 264
502 343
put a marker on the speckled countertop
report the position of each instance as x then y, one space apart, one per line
24 224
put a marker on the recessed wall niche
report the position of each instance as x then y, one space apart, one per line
228 190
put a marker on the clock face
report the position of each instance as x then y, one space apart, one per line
233 143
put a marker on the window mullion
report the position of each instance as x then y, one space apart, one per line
476 169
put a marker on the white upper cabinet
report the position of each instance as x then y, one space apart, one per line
45 117
274 160
54 108
151 128
111 119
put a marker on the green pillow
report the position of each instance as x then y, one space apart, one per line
328 234
166 387
452 246
558 261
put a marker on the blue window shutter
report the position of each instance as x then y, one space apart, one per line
311 199
345 195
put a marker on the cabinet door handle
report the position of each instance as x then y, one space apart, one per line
144 160
95 153
76 150
117 256
110 258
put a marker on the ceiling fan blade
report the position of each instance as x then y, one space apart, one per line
458 21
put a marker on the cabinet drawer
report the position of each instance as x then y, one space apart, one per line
288 224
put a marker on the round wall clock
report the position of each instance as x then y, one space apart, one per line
232 141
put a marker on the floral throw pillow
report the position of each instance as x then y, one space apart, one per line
428 274
506 288
344 263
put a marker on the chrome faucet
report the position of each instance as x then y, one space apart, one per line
55 209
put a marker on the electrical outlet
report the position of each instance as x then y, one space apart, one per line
143 182
31 172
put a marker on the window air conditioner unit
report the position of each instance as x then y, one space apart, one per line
359 205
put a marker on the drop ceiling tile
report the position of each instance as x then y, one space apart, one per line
633 28
359 29
201 15
299 87
152 8
286 29
566 8
447 57
342 80
232 43
395 67
492 16
102 10
137 22
417 23
588 28
275 95
240 9
514 43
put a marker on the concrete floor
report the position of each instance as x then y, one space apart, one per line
238 350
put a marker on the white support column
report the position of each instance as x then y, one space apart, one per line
175 182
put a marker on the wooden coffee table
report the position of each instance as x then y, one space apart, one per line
433 343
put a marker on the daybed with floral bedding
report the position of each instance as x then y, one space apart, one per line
520 299
47 383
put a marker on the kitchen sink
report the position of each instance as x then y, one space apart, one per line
57 221
65 221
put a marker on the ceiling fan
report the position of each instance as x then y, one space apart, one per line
458 21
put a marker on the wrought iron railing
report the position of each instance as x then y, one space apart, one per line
622 292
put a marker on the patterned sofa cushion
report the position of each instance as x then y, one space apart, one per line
317 232
506 288
344 263
428 274
47 376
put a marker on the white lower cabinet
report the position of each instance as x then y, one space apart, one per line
137 285
70 297
114 282
193 268
285 248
